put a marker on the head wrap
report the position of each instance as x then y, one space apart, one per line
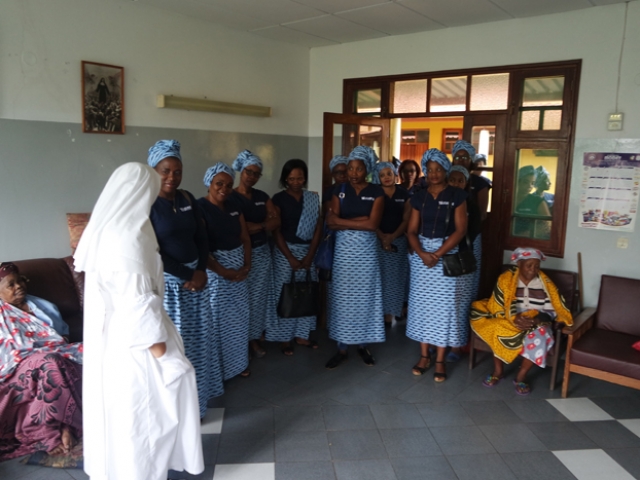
526 254
379 167
466 146
337 160
526 171
216 169
461 169
480 157
435 155
367 155
244 159
7 268
542 175
163 149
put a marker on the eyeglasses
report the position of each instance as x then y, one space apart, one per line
461 157
253 173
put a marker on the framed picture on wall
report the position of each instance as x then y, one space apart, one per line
102 98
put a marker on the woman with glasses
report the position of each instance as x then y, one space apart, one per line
338 167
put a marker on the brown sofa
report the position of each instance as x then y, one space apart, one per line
54 279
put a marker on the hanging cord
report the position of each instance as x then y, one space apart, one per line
624 34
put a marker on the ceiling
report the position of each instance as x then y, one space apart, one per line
315 23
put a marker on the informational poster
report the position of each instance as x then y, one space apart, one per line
610 187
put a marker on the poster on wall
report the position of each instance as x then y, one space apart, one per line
610 187
102 98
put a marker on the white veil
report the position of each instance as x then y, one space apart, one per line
119 236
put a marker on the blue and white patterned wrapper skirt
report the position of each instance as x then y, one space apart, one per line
192 315
259 284
230 303
434 302
285 329
394 267
355 312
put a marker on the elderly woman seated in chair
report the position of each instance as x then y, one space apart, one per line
40 375
519 317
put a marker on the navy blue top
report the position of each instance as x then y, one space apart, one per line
434 210
223 226
476 184
254 211
393 210
181 234
290 212
354 205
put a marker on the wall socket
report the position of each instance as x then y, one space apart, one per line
615 121
623 242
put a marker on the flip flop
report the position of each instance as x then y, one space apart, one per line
522 388
491 381
312 344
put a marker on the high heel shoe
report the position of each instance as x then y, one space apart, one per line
418 370
438 376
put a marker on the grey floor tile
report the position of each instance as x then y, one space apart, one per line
305 471
397 416
207 474
39 473
534 411
409 442
609 434
441 415
77 474
512 438
15 469
474 467
536 466
242 419
236 398
300 396
391 385
423 468
361 395
356 445
364 469
561 436
302 447
357 417
464 440
299 419
628 458
210 448
246 447
490 412
426 392
619 407
265 386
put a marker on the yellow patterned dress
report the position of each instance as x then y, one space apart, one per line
492 318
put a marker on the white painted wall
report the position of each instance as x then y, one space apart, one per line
593 35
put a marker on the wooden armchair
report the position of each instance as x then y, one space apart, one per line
599 342
567 283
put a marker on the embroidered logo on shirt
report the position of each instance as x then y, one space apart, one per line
341 195
400 200
257 204
371 199
185 209
233 214
444 203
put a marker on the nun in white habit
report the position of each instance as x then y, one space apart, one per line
140 404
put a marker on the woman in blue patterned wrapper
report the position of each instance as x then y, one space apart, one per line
394 265
297 240
437 224
260 217
355 312
228 266
338 167
182 237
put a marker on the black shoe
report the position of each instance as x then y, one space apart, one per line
366 356
336 360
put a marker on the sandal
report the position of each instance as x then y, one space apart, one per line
245 373
440 377
310 344
522 388
491 381
417 370
287 350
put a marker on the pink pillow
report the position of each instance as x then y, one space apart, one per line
636 345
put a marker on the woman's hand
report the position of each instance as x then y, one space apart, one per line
428 258
158 349
331 219
387 239
306 262
198 281
524 322
295 263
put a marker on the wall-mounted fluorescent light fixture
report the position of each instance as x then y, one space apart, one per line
204 105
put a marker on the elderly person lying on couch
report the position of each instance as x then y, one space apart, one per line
518 318
40 374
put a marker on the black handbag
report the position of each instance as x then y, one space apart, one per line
461 263
299 299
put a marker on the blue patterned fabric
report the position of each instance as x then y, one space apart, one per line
337 160
394 267
435 155
216 169
355 314
244 159
367 155
434 315
309 216
466 146
285 329
477 252
259 284
461 169
163 149
375 178
191 313
230 304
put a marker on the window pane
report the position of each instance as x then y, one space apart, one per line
408 136
530 120
484 138
370 136
368 101
423 136
448 94
410 96
489 92
552 119
542 92
534 193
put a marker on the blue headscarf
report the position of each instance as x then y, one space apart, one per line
337 160
163 149
378 168
461 169
466 146
527 171
542 175
435 155
216 169
480 156
367 155
244 159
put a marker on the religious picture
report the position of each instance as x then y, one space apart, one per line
102 98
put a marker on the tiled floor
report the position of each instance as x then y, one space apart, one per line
295 420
